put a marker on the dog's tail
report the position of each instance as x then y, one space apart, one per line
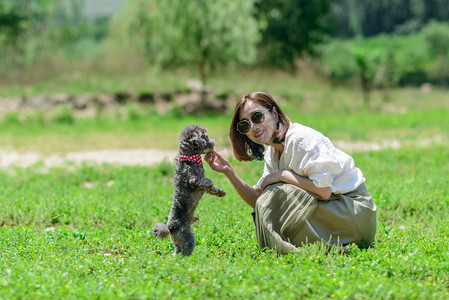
160 230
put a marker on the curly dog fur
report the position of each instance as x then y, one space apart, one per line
189 186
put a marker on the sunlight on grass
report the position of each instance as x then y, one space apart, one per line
87 232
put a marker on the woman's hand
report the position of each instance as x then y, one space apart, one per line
217 162
220 164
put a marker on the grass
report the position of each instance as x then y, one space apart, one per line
337 111
86 232
146 129
102 245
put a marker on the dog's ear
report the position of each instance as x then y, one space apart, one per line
188 140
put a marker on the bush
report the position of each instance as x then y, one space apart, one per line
63 115
395 60
11 118
436 36
337 61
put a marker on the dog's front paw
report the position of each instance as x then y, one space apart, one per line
219 192
206 183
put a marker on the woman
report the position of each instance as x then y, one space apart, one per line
309 190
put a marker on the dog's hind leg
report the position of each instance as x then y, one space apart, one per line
177 246
185 239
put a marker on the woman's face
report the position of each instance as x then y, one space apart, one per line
262 133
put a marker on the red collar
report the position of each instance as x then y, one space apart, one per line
196 158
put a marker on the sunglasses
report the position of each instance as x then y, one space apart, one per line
257 117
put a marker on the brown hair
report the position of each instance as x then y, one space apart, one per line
244 149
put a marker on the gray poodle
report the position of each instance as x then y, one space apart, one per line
189 186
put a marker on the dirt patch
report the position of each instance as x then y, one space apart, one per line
136 157
362 146
147 157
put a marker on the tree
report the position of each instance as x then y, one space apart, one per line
291 28
436 36
17 20
202 33
368 63
355 18
29 26
10 22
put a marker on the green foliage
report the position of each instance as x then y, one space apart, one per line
18 19
63 115
42 34
290 29
204 34
40 38
10 22
12 118
436 36
337 61
133 112
409 61
367 62
362 18
391 60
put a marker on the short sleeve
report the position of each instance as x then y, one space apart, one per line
315 160
328 166
322 178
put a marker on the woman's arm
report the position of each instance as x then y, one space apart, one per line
220 164
246 192
288 176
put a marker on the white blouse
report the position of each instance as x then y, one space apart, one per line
309 153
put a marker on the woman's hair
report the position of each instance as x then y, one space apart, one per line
245 149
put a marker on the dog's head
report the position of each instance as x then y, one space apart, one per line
194 140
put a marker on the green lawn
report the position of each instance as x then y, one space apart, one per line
102 245
85 232
148 130
337 111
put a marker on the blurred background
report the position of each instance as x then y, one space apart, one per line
199 56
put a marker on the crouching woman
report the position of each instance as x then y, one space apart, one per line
309 191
